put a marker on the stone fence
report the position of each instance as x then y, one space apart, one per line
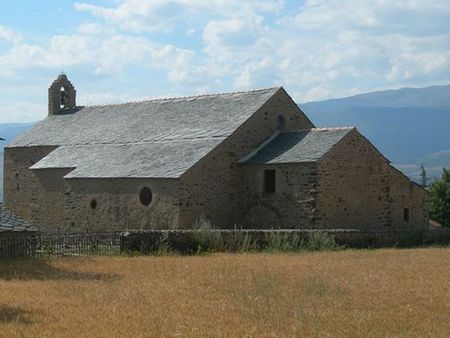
187 241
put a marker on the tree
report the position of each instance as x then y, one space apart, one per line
423 176
439 199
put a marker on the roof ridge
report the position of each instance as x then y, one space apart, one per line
185 97
320 129
170 140
334 128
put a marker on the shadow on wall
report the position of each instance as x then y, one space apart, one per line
39 269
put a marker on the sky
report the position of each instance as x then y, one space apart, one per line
124 50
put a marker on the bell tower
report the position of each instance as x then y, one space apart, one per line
61 95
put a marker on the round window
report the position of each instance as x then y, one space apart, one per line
145 196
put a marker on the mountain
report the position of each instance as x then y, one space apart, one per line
9 131
410 125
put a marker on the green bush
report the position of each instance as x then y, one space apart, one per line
439 200
320 241
284 241
205 237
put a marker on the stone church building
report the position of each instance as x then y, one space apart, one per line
248 159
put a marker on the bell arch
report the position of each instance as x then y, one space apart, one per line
61 95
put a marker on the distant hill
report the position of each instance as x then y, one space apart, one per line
9 131
410 126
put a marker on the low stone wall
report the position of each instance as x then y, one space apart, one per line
188 241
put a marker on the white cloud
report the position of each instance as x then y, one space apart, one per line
334 48
317 49
8 35
90 28
21 112
163 15
108 55
409 66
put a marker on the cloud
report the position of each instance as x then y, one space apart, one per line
334 48
105 55
317 49
90 28
21 111
8 35
164 16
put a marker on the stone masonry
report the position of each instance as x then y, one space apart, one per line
242 160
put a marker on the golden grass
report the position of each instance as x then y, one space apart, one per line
380 293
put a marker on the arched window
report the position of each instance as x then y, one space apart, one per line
145 196
281 123
62 98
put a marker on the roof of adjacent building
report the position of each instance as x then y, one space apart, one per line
9 222
298 146
157 138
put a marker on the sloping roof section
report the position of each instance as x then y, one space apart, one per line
187 118
9 222
298 146
157 138
133 160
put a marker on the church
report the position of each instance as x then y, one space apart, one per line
241 160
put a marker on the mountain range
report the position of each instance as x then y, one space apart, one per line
410 126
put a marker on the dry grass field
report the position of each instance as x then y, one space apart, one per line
379 293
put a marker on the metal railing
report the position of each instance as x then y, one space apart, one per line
41 245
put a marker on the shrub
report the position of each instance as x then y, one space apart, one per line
439 200
284 241
320 240
205 237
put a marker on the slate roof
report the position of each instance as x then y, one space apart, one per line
156 159
156 138
9 222
298 146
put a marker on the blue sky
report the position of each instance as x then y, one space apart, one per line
122 50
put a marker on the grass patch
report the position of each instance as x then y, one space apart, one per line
348 293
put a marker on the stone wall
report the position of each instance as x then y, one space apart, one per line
292 206
21 186
117 204
407 195
215 186
353 186
357 188
56 204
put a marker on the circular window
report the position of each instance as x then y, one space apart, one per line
145 196
93 204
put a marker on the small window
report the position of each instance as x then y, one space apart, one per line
145 196
62 98
269 181
281 123
93 204
406 215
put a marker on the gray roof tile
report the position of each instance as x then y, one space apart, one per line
216 115
9 222
299 146
157 138
166 159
